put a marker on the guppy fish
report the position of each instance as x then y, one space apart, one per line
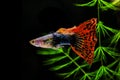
81 39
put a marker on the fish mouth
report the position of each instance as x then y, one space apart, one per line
31 42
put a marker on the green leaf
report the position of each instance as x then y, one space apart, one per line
53 60
99 54
118 67
108 6
84 65
91 3
107 73
111 51
63 65
113 72
103 70
49 51
72 72
112 64
116 38
101 28
68 51
68 74
58 67
90 74
111 29
84 77
116 3
63 74
104 29
99 73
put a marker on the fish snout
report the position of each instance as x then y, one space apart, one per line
36 43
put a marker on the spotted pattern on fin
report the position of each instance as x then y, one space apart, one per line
84 47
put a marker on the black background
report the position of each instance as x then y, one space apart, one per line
44 16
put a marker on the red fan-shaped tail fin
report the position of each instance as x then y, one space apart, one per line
85 40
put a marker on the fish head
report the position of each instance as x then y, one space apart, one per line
43 42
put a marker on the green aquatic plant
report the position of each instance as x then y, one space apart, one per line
104 5
71 67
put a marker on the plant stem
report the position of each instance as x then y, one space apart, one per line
98 9
98 12
99 35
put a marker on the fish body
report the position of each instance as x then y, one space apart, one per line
81 39
53 40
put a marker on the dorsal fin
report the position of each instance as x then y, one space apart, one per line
66 31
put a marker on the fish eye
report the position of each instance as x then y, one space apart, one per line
32 41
